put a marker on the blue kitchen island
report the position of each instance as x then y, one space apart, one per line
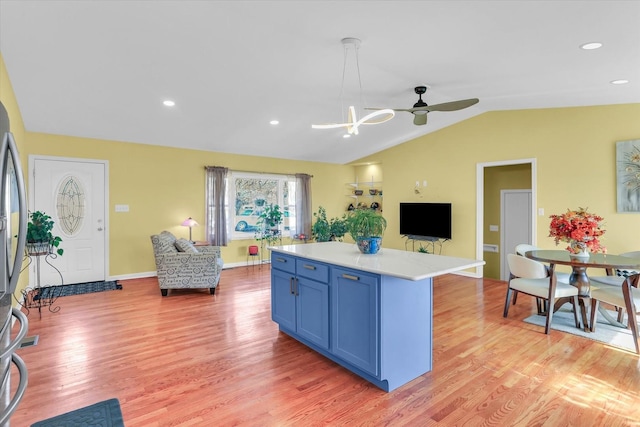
372 314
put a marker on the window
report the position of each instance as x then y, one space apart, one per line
249 193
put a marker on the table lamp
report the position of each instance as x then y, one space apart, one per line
190 222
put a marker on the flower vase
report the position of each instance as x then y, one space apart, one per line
579 252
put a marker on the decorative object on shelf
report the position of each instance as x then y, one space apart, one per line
40 239
580 229
358 192
375 206
325 230
350 207
352 123
190 222
366 227
373 191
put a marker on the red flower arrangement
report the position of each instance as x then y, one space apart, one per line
579 228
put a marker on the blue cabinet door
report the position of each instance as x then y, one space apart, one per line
355 328
283 299
313 311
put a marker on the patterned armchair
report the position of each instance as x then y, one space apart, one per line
180 264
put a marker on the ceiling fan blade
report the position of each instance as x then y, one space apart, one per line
394 109
450 106
420 119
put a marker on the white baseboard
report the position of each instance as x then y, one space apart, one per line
146 274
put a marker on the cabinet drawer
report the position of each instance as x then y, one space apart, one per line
283 262
312 270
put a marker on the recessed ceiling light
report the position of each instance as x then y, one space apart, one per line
168 103
274 122
591 46
619 82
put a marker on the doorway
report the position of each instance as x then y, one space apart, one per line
481 168
74 193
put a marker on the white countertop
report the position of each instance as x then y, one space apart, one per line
389 262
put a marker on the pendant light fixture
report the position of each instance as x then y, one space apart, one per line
352 123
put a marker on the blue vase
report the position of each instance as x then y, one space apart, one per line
369 245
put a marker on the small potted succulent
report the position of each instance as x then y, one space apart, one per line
40 239
366 227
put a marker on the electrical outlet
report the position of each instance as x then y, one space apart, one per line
122 208
493 228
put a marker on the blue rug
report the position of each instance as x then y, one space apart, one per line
102 414
78 289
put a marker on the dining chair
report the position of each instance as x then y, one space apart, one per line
536 279
616 277
523 248
619 296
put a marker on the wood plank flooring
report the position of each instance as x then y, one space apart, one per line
193 359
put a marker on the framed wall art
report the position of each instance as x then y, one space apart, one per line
628 175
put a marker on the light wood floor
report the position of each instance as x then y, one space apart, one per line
192 359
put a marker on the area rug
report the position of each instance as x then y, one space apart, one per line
562 320
102 414
78 289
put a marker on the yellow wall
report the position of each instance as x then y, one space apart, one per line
163 186
575 152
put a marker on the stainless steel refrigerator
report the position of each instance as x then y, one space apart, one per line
13 227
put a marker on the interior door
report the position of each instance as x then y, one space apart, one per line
72 192
515 216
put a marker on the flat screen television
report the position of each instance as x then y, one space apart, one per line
426 220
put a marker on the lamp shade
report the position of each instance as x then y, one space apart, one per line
190 222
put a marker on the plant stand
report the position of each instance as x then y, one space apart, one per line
41 296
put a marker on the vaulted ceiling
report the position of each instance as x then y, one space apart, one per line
101 69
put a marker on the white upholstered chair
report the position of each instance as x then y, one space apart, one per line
617 276
534 278
627 295
523 248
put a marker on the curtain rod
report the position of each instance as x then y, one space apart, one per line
260 173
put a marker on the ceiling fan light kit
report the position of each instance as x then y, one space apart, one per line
352 124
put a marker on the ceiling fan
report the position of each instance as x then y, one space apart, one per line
420 108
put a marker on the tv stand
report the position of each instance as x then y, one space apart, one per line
432 242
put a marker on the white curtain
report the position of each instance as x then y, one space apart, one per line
216 216
303 204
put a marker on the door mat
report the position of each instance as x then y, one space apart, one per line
607 333
104 414
78 289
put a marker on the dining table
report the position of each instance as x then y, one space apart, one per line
579 277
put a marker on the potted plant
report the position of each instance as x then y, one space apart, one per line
324 230
338 228
40 239
321 229
366 227
269 224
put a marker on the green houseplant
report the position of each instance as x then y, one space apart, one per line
324 230
269 224
366 227
40 239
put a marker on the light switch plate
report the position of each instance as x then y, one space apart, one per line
493 228
122 208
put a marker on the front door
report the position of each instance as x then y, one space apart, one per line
72 192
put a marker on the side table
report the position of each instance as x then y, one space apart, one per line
41 296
